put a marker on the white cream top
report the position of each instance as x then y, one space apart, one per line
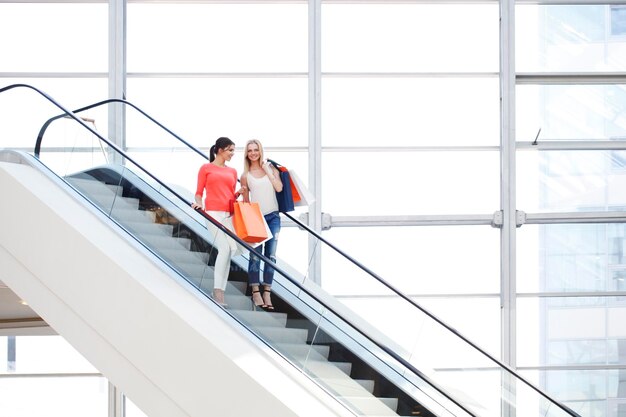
262 192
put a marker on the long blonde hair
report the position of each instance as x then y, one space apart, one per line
246 161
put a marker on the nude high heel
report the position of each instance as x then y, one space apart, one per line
218 296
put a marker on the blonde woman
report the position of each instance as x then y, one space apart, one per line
260 182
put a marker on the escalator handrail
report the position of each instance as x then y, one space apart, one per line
112 145
224 229
268 261
108 101
423 310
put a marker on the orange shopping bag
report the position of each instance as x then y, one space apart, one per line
249 222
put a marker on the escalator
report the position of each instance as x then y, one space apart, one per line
359 362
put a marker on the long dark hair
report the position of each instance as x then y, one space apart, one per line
220 143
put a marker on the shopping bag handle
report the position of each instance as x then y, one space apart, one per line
276 164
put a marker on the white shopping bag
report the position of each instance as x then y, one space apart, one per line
306 197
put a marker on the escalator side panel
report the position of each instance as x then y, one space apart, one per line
163 345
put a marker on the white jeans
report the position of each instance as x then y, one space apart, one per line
225 245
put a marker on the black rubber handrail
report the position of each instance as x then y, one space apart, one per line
428 313
108 101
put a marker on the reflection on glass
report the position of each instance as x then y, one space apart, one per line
571 181
618 20
571 257
585 391
569 38
579 331
388 112
571 112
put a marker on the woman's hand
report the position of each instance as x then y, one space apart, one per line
267 167
196 206
241 192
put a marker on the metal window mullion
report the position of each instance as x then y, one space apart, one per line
576 217
564 78
572 145
116 127
315 127
413 220
572 2
507 183
115 402
117 69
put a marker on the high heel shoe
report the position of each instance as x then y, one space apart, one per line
218 296
267 301
255 303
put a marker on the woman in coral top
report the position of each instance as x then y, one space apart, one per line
217 183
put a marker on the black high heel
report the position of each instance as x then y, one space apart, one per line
262 305
267 306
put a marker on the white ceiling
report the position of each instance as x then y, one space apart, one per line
14 314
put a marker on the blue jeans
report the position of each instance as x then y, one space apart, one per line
268 249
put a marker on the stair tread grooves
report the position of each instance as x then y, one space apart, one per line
314 358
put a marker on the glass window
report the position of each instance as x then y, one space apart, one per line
274 110
217 37
571 112
571 331
410 112
54 396
410 37
4 355
618 20
25 111
584 391
54 37
569 181
572 38
415 259
476 318
571 257
48 354
391 182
